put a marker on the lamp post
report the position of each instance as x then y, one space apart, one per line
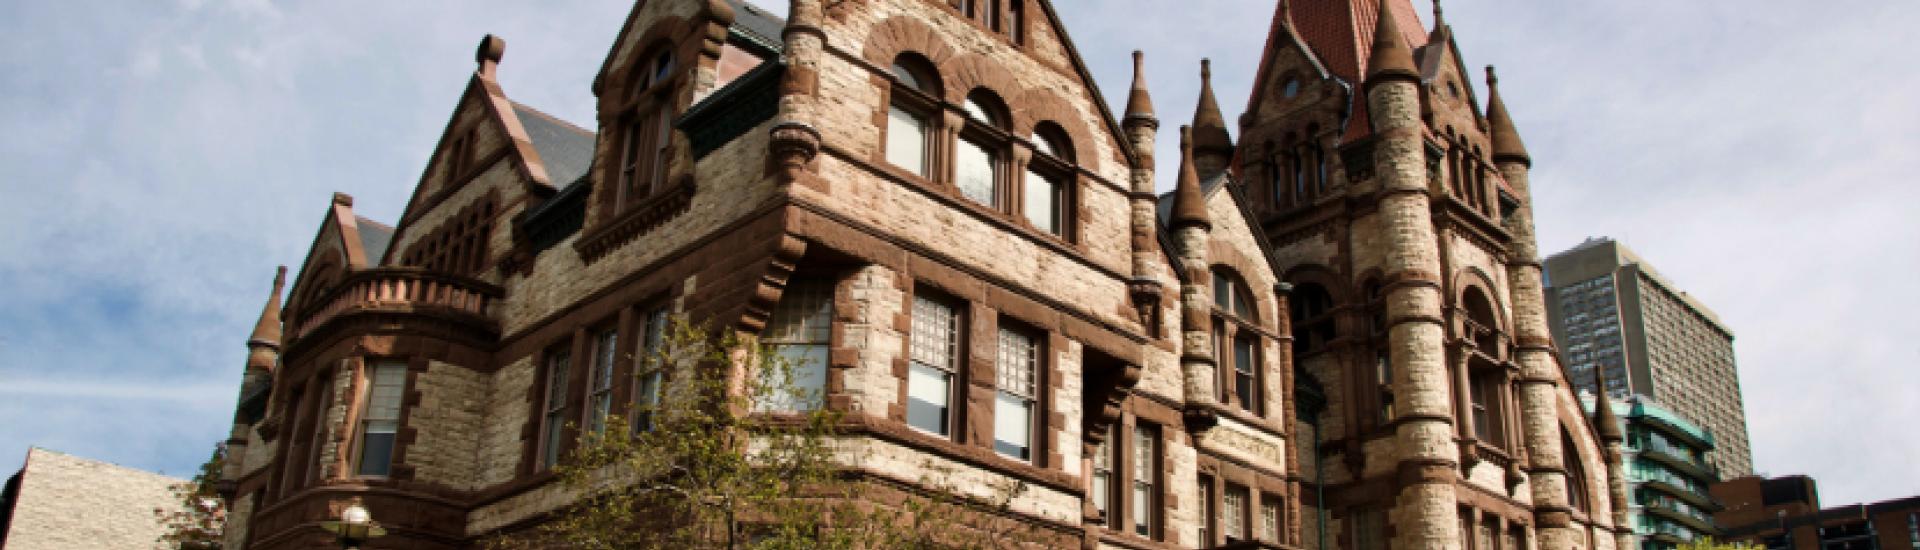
355 526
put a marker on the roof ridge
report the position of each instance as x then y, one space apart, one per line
550 118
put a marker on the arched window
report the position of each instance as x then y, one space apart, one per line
1313 322
1481 325
1577 495
910 114
1230 294
1043 198
1236 342
980 158
646 131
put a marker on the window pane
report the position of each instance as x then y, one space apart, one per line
933 333
1017 363
1269 517
974 171
1145 474
1042 197
1243 380
805 383
907 140
906 77
1013 426
1234 513
376 452
927 394
600 390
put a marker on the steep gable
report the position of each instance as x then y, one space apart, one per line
344 243
1339 34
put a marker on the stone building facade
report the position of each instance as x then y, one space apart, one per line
1611 311
59 501
943 178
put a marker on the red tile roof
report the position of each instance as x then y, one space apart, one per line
1340 33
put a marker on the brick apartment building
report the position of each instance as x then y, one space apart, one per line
1329 335
1784 513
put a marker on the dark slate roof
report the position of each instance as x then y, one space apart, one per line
567 150
374 239
1163 208
758 24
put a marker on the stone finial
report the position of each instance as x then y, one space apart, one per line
342 199
492 49
1139 103
1439 15
1391 58
1212 146
266 331
1604 420
1507 146
1189 203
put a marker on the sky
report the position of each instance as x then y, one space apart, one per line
161 157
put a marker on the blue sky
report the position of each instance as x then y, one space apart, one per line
163 156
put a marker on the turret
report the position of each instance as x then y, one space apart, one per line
1607 424
1141 124
1192 228
1212 146
1423 420
1507 147
1391 59
794 140
263 354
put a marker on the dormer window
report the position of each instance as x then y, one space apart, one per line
646 135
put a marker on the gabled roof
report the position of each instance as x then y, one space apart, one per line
1339 35
361 243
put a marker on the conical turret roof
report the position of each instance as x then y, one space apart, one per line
1391 57
1604 420
1189 202
1139 102
1209 126
1507 145
266 331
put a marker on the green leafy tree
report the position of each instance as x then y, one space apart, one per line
199 522
733 454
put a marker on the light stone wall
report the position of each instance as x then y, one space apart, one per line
1066 402
498 450
449 425
71 503
878 299
331 429
260 452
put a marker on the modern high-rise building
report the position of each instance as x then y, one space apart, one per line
1612 311
1667 474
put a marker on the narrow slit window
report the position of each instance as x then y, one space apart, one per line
1146 467
554 416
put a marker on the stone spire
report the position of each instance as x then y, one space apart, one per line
1506 140
1139 102
1212 147
1604 420
266 331
1391 58
1189 203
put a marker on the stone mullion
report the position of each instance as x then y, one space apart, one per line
1425 513
1463 398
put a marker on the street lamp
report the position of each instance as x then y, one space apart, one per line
355 526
